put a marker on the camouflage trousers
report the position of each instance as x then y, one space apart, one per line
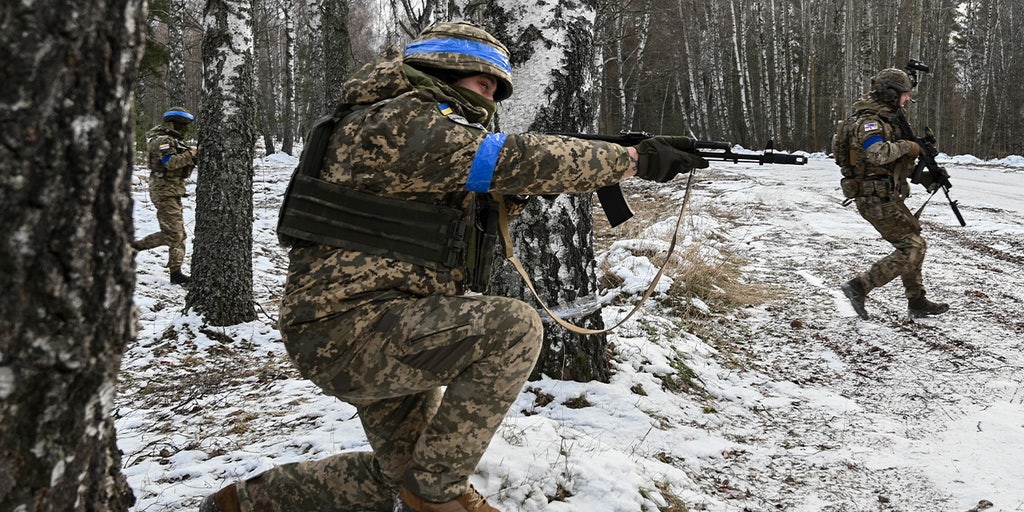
893 220
390 360
172 229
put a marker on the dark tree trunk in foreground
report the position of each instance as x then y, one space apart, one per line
66 269
221 288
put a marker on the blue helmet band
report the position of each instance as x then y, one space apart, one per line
463 46
178 113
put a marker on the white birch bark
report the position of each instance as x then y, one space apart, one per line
554 236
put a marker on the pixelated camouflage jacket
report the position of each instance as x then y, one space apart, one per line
418 142
168 167
884 154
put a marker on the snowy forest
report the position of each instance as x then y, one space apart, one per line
738 70
93 335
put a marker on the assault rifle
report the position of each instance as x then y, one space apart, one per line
936 176
614 203
927 172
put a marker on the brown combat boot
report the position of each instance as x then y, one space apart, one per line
224 500
469 501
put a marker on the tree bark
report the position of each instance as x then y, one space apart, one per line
554 237
264 15
310 91
65 266
176 83
337 50
221 287
288 99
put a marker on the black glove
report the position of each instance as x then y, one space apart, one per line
662 158
930 182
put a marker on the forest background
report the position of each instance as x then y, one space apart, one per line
745 71
742 71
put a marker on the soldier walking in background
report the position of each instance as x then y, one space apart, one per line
877 159
170 162
387 325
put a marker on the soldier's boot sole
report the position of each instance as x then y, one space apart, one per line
856 300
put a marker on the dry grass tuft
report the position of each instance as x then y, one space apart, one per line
702 270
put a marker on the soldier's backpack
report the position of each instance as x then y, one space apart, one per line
842 153
846 158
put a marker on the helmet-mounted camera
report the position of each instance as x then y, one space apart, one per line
912 67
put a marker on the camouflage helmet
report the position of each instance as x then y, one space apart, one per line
891 78
178 115
462 48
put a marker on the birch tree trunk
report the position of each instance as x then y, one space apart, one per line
288 93
554 236
263 50
985 77
221 287
741 105
337 50
851 70
310 91
176 83
635 77
66 148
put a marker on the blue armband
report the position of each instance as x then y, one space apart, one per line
872 140
481 172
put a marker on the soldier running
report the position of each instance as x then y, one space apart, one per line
877 158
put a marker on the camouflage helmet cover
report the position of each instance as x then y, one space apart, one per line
178 115
891 78
463 48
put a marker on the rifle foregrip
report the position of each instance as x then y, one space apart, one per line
712 144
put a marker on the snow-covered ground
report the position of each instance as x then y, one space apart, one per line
793 404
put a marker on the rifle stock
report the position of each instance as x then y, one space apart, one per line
614 203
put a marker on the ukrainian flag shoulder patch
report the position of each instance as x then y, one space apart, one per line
445 109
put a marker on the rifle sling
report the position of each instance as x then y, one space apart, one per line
510 256
917 214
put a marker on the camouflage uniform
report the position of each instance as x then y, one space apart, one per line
881 160
432 371
886 171
170 163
